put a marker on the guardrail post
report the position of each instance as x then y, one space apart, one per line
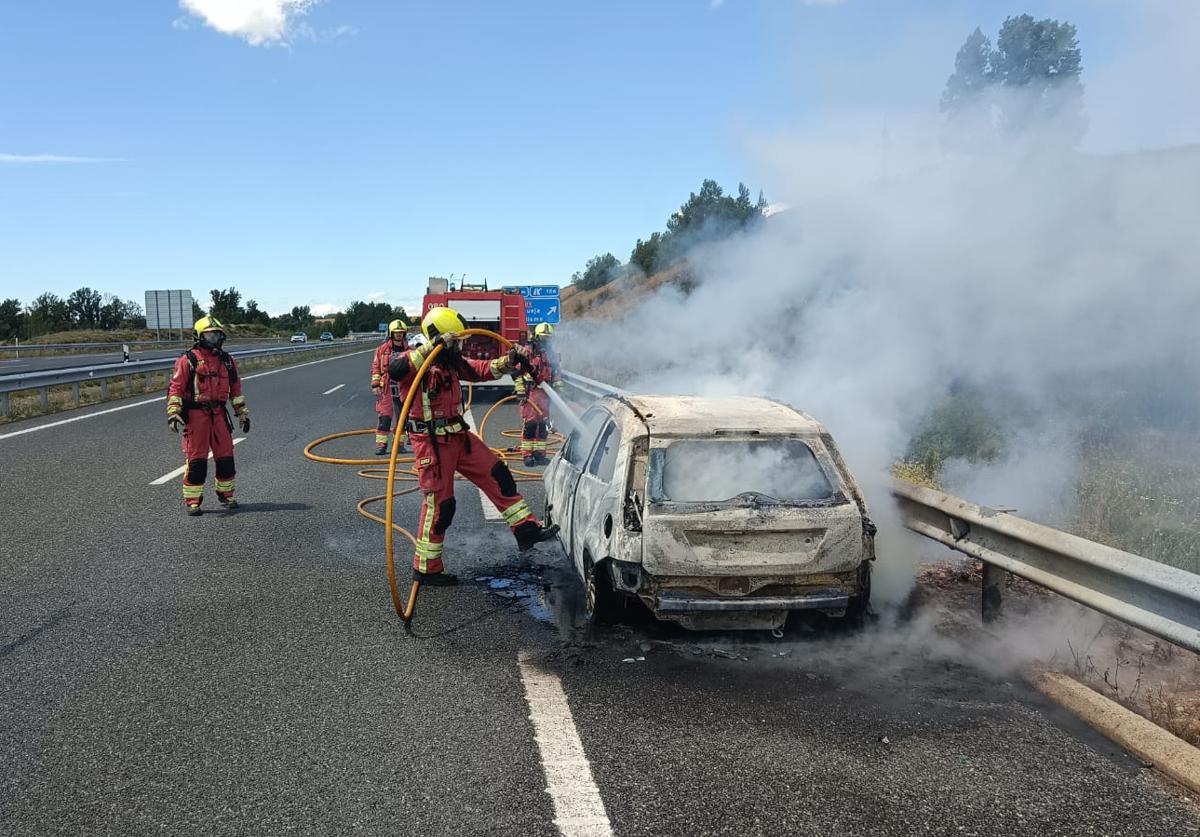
994 579
104 389
4 404
75 393
129 385
149 382
45 395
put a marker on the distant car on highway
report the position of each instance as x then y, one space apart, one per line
326 337
717 513
299 337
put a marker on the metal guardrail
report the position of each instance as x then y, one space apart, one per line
115 346
103 373
1159 599
595 389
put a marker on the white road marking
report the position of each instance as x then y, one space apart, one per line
332 391
490 512
178 472
578 808
164 398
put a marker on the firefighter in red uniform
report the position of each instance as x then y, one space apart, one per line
535 403
204 382
388 397
443 443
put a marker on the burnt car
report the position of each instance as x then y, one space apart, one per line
717 513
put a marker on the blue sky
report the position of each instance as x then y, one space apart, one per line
359 146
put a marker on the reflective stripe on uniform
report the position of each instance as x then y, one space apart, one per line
237 401
428 556
225 486
192 492
516 513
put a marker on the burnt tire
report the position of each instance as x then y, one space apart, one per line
600 600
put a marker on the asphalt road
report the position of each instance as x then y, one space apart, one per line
245 674
11 366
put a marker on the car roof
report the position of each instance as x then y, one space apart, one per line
687 415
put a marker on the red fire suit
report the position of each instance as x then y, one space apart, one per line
443 444
535 403
389 396
203 382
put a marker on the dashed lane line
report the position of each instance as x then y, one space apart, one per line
164 398
578 808
332 391
490 512
178 472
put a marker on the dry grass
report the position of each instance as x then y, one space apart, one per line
617 299
918 473
27 404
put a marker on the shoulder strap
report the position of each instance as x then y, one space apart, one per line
227 359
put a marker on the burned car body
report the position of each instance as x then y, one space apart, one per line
717 513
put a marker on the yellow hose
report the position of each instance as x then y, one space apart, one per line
405 610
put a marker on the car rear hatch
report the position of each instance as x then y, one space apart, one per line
761 506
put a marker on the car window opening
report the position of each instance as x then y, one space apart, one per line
717 471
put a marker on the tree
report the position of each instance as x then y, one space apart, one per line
972 74
254 314
12 319
83 308
646 254
226 305
599 271
197 311
1028 81
48 314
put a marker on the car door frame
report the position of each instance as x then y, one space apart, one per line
566 481
597 495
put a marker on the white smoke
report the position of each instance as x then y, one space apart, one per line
1056 281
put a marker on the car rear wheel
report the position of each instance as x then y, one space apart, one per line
601 600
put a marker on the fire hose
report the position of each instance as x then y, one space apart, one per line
405 609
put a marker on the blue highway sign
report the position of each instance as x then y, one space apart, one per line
541 310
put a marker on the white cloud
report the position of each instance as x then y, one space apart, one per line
27 159
260 22
324 309
376 296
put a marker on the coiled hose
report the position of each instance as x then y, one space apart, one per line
405 609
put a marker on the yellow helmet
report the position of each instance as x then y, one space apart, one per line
442 320
543 330
397 325
207 324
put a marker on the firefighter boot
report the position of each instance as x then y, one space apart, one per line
193 509
227 501
529 534
530 460
381 450
442 579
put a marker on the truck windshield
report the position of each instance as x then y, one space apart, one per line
718 470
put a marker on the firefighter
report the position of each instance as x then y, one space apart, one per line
533 400
443 443
205 383
388 397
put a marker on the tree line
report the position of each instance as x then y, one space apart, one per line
359 316
707 215
85 308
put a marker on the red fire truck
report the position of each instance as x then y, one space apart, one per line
503 313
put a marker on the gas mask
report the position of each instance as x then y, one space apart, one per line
212 339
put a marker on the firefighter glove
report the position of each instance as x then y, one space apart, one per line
244 420
174 421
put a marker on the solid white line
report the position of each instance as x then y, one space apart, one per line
332 391
578 808
164 398
490 512
179 471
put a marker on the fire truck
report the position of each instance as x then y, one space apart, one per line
498 311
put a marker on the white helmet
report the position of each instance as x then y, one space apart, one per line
416 340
